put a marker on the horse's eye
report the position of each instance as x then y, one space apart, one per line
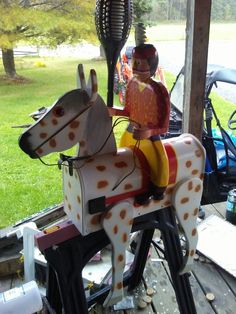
58 111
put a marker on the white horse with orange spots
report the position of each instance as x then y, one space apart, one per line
100 184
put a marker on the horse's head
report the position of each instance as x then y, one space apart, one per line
66 122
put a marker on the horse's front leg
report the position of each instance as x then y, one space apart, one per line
186 199
117 223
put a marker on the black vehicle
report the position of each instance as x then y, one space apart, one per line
220 145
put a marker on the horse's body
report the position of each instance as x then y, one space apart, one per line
99 189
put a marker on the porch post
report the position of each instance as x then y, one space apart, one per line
197 39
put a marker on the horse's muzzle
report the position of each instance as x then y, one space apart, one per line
26 146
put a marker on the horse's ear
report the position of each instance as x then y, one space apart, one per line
81 83
92 86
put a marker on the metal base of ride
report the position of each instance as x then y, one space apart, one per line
65 290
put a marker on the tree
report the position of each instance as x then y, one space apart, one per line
49 22
141 9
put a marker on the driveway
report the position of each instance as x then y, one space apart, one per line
172 55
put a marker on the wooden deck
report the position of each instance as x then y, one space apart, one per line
206 277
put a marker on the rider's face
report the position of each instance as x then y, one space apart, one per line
141 68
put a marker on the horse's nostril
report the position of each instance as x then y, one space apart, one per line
25 144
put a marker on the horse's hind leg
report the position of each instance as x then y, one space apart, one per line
186 200
117 223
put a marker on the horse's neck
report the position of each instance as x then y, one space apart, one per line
98 137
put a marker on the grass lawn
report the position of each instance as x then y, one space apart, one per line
26 185
177 31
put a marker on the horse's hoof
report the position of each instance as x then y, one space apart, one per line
158 193
158 196
142 199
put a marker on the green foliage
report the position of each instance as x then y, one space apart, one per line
223 10
171 10
141 8
45 22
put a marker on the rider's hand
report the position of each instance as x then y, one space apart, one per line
140 134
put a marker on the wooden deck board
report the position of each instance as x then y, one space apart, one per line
211 282
220 208
214 279
164 300
230 280
5 283
10 259
202 306
137 294
206 277
211 210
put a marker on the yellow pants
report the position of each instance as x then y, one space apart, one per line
156 156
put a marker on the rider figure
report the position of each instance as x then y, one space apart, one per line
148 107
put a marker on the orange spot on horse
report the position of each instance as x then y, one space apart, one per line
82 144
194 172
74 124
52 143
186 215
167 203
128 186
94 88
194 232
123 213
188 163
119 286
169 191
90 159
78 216
131 221
120 258
195 212
115 229
54 121
95 219
197 188
101 168
192 252
108 215
78 199
198 153
42 123
71 136
190 185
124 237
43 135
184 200
121 164
188 142
102 184
39 151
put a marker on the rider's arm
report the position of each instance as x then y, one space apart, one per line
117 111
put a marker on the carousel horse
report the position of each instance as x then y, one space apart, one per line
100 183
